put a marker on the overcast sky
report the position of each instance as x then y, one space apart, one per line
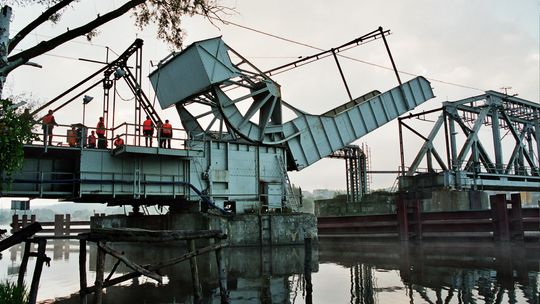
481 44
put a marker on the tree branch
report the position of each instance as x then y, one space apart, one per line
37 22
46 46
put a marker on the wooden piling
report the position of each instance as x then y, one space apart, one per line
58 224
100 269
222 276
82 271
67 225
194 272
24 220
15 223
24 263
101 236
307 270
41 258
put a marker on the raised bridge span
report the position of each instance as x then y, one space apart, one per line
236 146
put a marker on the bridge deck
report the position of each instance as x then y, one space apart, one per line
121 175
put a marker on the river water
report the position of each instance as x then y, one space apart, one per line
342 271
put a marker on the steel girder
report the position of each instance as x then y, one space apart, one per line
232 100
471 164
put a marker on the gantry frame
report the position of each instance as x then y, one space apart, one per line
469 163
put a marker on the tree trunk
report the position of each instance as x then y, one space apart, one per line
5 18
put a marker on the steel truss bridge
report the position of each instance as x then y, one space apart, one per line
458 156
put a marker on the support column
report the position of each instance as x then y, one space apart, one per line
58 224
24 263
496 131
24 221
41 258
82 271
453 145
307 270
499 215
403 223
516 224
67 225
418 218
222 276
537 136
100 269
15 223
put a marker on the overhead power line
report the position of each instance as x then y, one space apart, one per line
341 55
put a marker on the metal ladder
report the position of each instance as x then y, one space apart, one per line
265 225
290 197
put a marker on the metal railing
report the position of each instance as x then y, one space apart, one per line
61 136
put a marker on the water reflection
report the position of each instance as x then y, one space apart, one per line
254 275
344 271
437 272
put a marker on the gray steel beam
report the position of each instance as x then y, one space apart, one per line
428 144
472 137
537 134
494 105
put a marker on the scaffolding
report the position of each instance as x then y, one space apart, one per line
356 166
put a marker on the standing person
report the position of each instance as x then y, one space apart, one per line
167 133
118 142
148 130
48 124
92 140
72 137
161 138
100 131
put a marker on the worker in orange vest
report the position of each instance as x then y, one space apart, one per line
148 130
92 140
167 133
48 124
72 137
118 142
100 131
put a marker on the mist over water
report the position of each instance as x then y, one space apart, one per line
343 271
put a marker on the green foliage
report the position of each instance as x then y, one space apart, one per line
15 130
167 15
10 293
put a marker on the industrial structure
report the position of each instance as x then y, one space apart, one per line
356 170
454 155
236 146
240 138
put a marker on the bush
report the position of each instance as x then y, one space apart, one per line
10 293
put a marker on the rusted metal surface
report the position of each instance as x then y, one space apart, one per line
504 222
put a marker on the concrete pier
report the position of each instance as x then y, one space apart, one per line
241 229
